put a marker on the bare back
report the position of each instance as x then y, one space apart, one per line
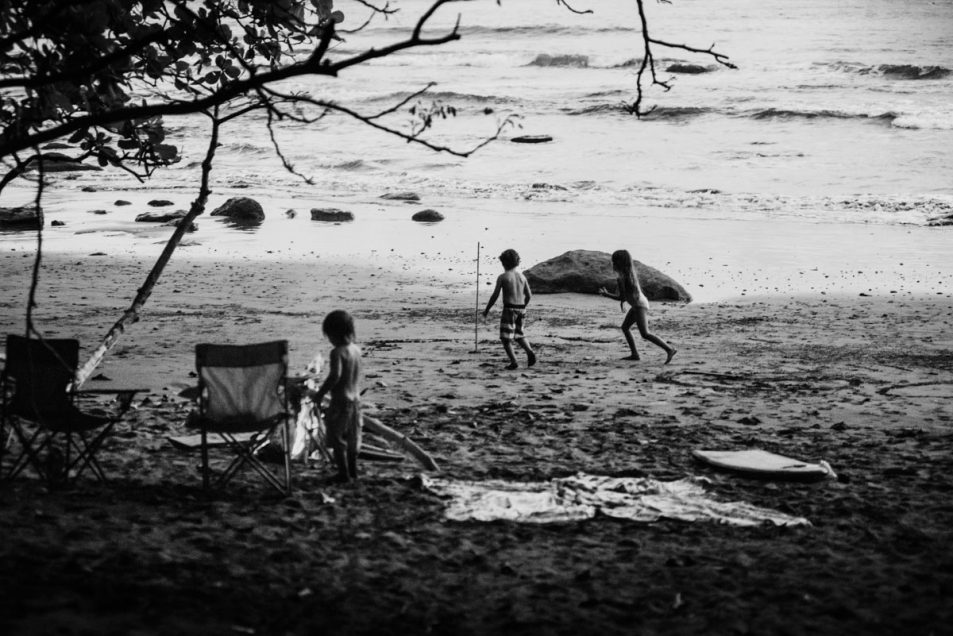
515 288
631 291
345 372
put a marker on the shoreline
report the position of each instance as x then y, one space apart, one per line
714 258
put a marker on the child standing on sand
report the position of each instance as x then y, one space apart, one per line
516 296
343 417
631 292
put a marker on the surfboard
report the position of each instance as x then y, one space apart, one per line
761 463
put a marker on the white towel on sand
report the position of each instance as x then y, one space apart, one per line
583 496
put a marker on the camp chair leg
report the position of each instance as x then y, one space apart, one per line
4 437
286 436
205 466
86 457
244 455
29 454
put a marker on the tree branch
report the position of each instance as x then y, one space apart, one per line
648 61
369 120
131 315
225 93
572 9
37 261
84 72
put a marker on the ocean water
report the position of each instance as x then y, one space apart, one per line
825 154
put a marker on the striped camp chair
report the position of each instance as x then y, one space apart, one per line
243 400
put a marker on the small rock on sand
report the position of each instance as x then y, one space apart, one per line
427 216
240 209
331 215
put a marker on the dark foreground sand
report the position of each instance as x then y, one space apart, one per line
862 382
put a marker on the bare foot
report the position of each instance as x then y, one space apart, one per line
671 354
511 366
634 356
530 358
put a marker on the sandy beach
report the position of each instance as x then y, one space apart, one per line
795 181
860 381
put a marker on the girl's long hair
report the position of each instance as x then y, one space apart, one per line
625 271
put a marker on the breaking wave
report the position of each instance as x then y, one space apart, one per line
784 113
451 97
668 113
355 165
908 71
542 29
568 60
894 71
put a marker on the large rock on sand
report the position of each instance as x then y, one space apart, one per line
585 271
241 210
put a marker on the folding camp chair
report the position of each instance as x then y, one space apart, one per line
242 398
55 438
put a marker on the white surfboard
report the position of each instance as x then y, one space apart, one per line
761 463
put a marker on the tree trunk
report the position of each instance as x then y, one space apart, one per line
131 315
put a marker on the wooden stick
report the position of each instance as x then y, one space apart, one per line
476 314
401 441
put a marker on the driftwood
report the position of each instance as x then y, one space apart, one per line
381 442
400 441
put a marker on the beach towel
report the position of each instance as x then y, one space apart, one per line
583 496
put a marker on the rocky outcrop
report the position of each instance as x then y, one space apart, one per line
160 203
241 210
585 271
401 196
58 162
688 69
22 218
331 215
160 217
427 216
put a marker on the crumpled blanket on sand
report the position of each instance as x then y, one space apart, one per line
583 496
